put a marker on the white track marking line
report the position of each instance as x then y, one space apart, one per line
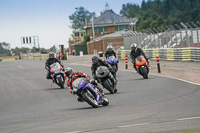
20 66
75 132
189 118
176 79
133 125
169 77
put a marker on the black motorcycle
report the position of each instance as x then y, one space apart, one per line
105 77
57 74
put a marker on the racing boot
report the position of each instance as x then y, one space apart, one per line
79 99
100 90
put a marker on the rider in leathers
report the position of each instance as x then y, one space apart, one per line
72 76
110 52
135 52
49 62
96 62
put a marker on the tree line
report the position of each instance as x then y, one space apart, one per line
161 13
5 50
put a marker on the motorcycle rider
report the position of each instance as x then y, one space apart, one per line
135 52
49 62
72 76
96 62
110 52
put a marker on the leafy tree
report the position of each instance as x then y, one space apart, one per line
17 50
79 17
5 49
160 13
86 39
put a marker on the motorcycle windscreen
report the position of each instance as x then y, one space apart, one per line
139 58
76 83
102 71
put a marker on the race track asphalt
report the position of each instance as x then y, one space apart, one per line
30 104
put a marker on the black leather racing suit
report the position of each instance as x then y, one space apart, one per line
48 63
108 54
135 53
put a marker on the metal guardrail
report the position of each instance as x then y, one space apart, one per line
181 54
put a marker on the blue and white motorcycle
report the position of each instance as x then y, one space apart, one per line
57 74
89 93
114 63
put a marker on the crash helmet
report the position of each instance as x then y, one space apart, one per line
95 59
51 54
133 46
109 48
69 71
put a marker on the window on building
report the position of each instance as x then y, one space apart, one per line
76 34
116 28
105 29
82 34
123 27
98 29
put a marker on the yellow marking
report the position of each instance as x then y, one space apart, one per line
122 54
186 54
155 53
9 59
170 54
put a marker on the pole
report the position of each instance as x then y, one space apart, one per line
93 27
126 66
158 64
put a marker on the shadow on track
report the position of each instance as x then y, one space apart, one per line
54 89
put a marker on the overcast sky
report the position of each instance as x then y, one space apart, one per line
49 19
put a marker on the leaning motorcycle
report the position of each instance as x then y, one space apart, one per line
57 74
105 77
89 93
142 66
114 63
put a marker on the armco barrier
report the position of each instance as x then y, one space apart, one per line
183 54
170 54
186 54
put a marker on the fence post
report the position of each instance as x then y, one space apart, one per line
158 64
126 62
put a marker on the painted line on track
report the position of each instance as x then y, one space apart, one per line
189 118
20 66
75 132
177 79
141 124
168 77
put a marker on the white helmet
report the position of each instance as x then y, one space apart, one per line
109 47
133 45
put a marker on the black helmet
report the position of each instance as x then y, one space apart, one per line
51 54
69 72
95 59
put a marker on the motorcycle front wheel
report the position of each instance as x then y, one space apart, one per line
90 99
